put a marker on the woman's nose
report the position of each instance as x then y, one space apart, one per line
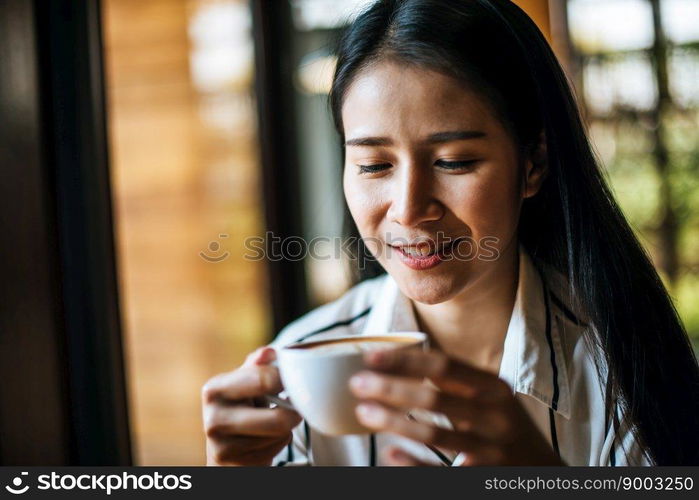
412 198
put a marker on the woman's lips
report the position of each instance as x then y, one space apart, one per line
421 260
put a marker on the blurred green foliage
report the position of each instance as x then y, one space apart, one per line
625 148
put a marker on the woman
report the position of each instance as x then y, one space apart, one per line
554 342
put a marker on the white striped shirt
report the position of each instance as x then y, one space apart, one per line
545 360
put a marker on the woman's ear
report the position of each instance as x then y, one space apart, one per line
536 167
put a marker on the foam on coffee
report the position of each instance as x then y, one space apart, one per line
358 344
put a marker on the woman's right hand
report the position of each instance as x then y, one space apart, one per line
240 429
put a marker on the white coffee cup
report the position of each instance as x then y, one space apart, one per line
316 376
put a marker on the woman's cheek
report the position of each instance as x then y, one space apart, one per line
364 202
490 209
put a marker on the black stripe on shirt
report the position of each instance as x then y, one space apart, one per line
372 450
442 457
446 461
566 312
335 325
609 409
307 436
554 369
290 451
549 339
554 434
612 451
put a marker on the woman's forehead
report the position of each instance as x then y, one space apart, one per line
390 96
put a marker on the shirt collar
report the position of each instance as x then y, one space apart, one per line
532 360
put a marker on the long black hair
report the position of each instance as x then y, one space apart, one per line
573 224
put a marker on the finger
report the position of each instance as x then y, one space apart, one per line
251 451
448 374
380 418
260 356
429 364
244 421
245 382
397 457
239 444
263 456
406 393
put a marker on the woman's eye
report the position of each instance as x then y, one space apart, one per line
370 169
456 165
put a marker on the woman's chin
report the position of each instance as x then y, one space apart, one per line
428 290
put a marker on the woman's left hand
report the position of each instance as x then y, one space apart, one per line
490 425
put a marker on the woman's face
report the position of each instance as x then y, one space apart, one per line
428 162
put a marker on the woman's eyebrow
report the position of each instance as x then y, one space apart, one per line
369 141
452 135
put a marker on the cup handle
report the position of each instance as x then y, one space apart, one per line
277 401
283 403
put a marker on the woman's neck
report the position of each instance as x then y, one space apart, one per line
471 326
